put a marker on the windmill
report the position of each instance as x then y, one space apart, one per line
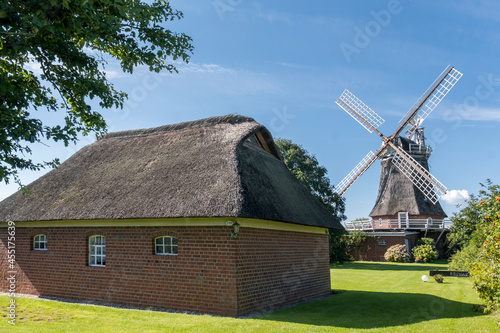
405 172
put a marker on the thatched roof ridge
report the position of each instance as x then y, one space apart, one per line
203 168
227 119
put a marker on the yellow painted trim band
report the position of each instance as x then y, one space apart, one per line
175 222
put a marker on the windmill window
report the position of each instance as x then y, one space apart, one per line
382 242
40 242
429 220
166 245
380 222
97 250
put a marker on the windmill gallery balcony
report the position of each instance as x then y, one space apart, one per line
395 224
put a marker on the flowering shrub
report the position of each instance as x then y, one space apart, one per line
426 253
486 272
397 253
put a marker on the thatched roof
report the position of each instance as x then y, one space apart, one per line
398 194
204 168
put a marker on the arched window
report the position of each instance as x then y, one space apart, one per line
166 245
40 242
97 250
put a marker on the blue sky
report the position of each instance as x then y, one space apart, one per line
284 63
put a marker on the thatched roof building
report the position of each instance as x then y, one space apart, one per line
216 167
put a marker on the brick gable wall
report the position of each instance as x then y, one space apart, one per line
211 274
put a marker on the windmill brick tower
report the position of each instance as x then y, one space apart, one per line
407 205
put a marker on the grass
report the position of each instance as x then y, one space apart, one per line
373 297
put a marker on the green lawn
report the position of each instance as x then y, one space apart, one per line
375 297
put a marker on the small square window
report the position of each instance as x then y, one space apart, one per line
166 245
40 242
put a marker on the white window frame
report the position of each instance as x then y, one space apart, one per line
39 240
166 246
97 250
403 219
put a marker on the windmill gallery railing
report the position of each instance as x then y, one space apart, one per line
395 224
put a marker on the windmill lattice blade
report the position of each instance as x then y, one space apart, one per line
432 188
430 99
358 170
356 109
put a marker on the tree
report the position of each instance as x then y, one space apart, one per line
476 229
69 41
308 171
472 217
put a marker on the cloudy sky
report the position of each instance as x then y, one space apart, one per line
284 63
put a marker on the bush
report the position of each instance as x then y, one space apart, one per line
465 258
425 241
438 278
397 253
485 272
426 253
338 246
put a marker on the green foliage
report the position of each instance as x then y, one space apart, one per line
68 41
472 217
426 253
465 258
425 241
353 241
485 272
477 230
438 278
338 245
397 253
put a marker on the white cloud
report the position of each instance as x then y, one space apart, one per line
455 197
485 114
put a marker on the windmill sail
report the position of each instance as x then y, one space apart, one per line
358 170
429 100
359 111
432 188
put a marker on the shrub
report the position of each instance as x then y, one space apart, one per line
485 272
465 258
425 241
438 278
426 253
397 253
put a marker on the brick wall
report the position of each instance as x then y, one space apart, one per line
211 274
371 250
280 267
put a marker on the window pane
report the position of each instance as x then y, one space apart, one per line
168 240
159 249
159 241
98 261
92 250
92 260
174 241
42 245
43 238
168 249
98 251
174 249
